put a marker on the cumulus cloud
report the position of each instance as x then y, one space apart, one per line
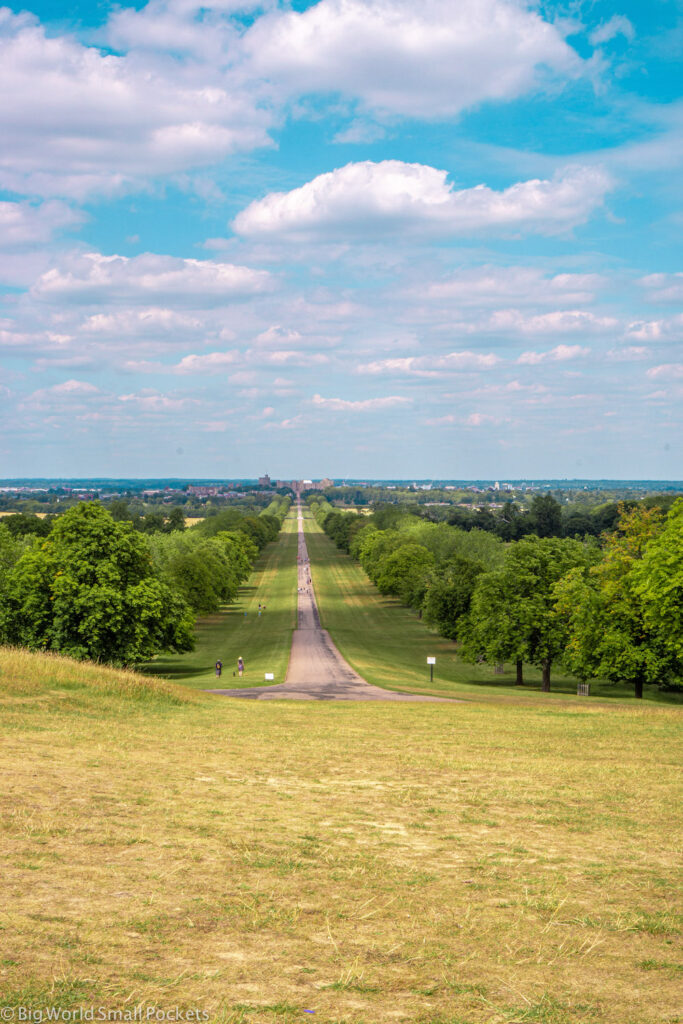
363 405
82 121
25 224
69 393
561 353
667 371
179 26
149 400
489 284
478 419
663 287
92 277
628 354
666 329
431 366
210 362
392 196
419 60
559 322
154 320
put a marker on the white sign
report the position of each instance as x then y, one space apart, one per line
431 661
269 676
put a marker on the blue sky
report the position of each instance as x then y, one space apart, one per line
347 238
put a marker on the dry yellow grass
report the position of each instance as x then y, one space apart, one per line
447 864
25 674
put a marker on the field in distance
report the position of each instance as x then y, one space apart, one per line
477 863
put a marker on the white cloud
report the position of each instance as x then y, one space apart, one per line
154 320
431 366
392 196
70 393
422 59
618 25
561 353
669 371
210 362
93 278
23 224
178 26
666 329
149 400
566 321
360 132
81 121
663 287
277 337
488 284
364 405
74 387
628 354
479 419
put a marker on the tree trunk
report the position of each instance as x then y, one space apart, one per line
639 688
545 666
520 675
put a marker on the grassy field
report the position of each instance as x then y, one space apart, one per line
263 641
475 863
388 645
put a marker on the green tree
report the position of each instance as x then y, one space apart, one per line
176 520
404 572
611 610
89 590
23 525
658 583
449 594
513 615
546 516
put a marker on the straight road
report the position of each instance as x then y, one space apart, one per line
316 669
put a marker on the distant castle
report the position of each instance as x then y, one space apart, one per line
297 485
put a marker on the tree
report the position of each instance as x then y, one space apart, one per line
608 608
89 590
513 616
23 525
176 520
546 516
404 573
658 583
449 594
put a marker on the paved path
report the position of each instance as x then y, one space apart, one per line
316 669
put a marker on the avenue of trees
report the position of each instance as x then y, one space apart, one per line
608 607
93 586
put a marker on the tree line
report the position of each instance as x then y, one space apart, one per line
608 607
95 587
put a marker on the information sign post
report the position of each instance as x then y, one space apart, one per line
431 662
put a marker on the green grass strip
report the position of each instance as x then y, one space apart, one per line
264 641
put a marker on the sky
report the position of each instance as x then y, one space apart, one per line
345 238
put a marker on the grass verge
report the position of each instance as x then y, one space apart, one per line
264 641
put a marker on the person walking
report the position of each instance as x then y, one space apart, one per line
240 666
219 668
